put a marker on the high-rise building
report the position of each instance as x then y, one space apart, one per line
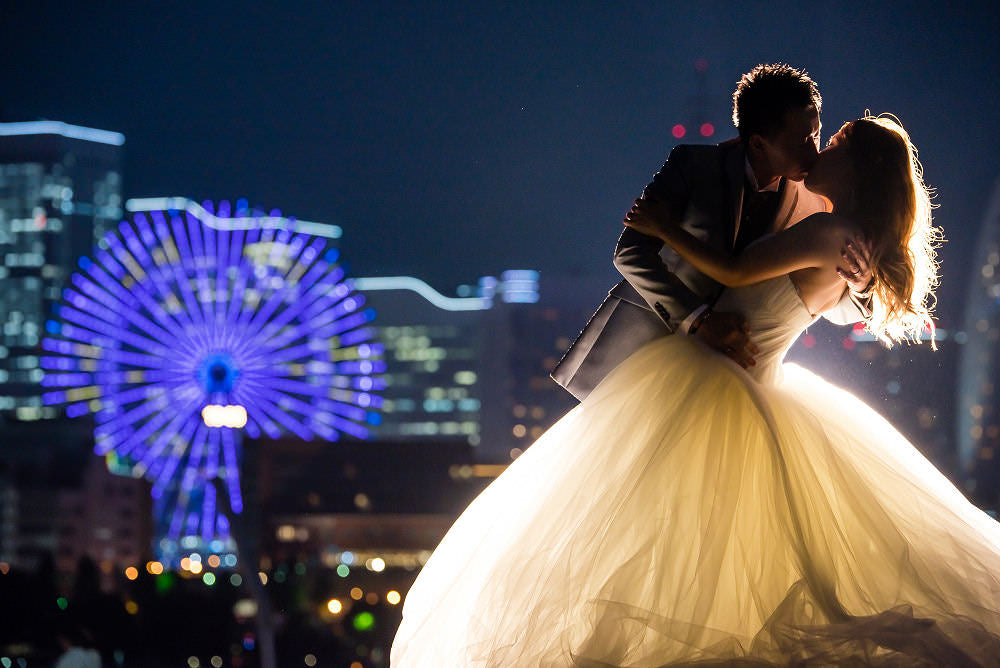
446 363
978 428
60 190
475 367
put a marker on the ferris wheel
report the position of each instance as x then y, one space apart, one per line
189 327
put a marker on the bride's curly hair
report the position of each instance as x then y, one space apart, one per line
893 207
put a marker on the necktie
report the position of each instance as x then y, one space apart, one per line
759 209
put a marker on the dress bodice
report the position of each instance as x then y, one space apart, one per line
776 315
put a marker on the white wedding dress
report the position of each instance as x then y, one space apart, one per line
691 513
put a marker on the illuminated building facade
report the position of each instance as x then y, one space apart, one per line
538 337
447 359
60 190
978 428
57 499
476 367
107 517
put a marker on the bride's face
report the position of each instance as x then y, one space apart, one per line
832 173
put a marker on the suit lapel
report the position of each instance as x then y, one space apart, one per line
735 177
786 207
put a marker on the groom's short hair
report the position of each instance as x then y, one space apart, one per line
766 93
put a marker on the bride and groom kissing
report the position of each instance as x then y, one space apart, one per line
729 195
709 509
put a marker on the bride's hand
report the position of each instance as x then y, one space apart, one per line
855 267
645 217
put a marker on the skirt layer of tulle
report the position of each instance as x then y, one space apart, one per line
686 514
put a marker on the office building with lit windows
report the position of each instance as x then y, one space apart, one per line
446 362
60 190
476 367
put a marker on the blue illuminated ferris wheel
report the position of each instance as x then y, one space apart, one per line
189 327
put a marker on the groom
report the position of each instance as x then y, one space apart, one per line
728 195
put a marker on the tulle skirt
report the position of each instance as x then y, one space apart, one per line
685 514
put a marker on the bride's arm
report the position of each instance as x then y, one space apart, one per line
804 245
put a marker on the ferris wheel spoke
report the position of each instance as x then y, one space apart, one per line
197 251
143 360
136 248
246 269
212 454
177 520
81 341
280 296
95 324
114 318
125 422
119 307
346 324
278 357
185 413
181 277
173 261
152 426
349 427
256 417
196 456
136 273
281 417
290 400
192 433
300 264
240 278
230 456
135 299
207 240
315 298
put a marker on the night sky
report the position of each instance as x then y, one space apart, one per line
451 142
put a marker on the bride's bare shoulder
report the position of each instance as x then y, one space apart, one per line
831 225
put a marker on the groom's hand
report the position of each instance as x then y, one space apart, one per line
729 333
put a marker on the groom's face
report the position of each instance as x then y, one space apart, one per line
793 150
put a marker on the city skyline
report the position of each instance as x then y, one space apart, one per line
465 169
452 141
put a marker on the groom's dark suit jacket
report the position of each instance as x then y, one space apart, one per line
703 188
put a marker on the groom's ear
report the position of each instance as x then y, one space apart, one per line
756 144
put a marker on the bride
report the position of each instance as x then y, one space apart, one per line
691 512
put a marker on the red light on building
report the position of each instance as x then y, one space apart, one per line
849 343
808 340
678 131
707 129
701 64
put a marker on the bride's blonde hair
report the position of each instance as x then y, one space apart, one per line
893 207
